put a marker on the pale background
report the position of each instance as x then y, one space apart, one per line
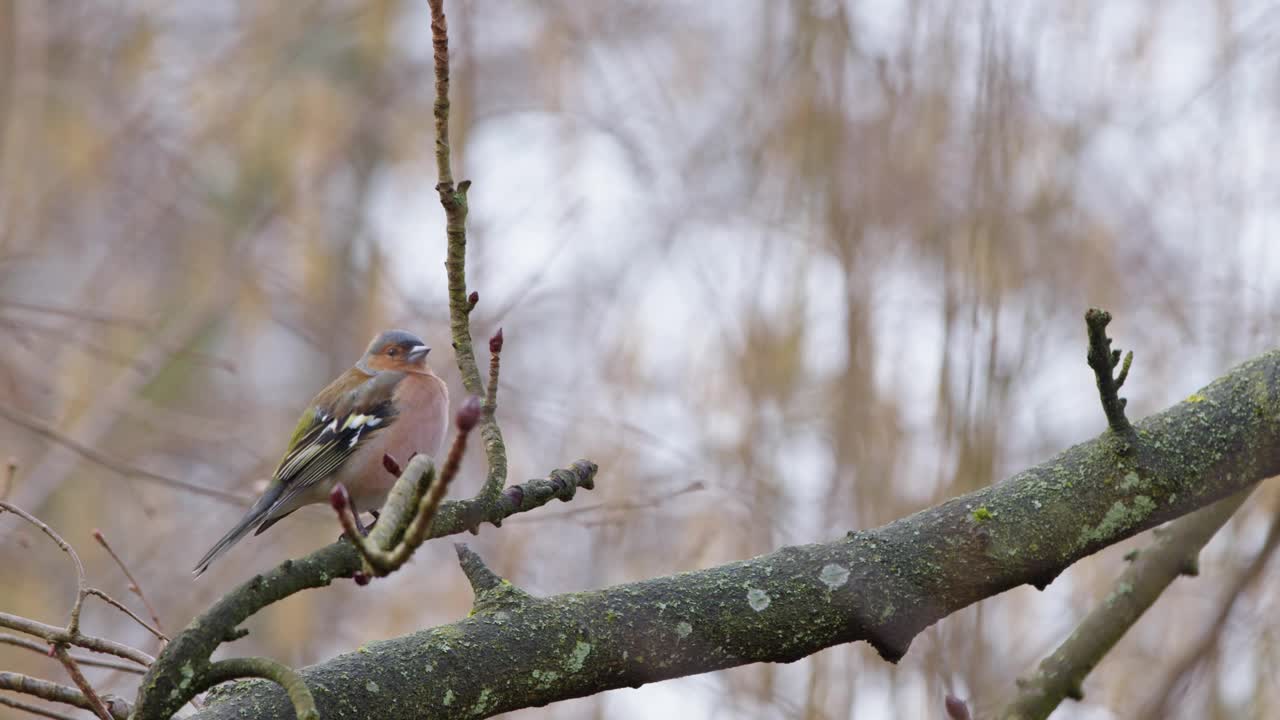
783 269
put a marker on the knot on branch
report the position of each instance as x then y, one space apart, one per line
561 484
1104 360
492 593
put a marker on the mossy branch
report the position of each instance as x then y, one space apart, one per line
883 586
492 593
1062 674
304 705
173 677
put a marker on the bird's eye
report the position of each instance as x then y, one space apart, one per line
392 352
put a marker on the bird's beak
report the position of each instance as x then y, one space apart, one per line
417 352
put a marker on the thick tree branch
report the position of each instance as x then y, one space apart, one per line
1062 674
883 586
185 659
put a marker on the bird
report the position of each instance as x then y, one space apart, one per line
389 403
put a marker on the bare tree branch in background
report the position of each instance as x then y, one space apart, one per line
1062 674
59 639
1161 701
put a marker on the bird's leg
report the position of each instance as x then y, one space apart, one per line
364 531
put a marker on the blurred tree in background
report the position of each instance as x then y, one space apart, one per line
784 269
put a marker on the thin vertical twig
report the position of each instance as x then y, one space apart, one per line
134 586
454 200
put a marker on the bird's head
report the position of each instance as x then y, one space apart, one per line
395 350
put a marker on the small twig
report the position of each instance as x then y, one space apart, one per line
1103 360
478 574
99 708
86 660
73 624
34 709
134 586
124 609
561 483
382 561
611 509
304 704
454 201
54 692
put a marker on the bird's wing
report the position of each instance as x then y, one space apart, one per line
326 437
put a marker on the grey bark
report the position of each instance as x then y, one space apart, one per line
883 586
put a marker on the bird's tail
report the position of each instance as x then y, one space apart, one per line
250 520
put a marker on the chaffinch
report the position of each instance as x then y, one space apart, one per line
389 403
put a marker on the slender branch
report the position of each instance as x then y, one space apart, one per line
134 586
95 703
73 625
1062 674
95 592
1103 360
1161 700
61 638
304 705
54 692
55 634
454 201
33 709
86 660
